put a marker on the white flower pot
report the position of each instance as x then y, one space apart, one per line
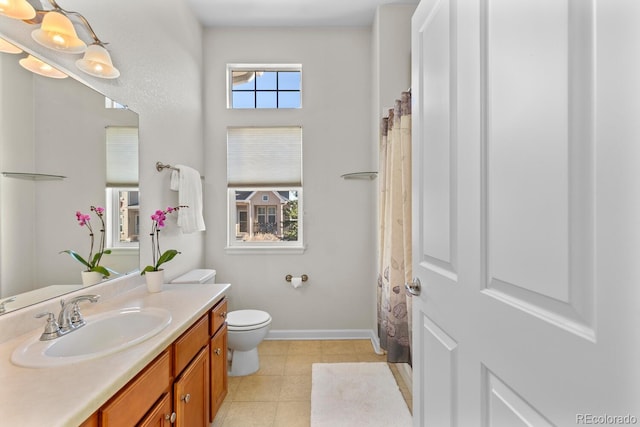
155 280
91 277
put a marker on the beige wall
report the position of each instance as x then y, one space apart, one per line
336 140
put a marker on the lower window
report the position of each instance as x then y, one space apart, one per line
265 217
123 217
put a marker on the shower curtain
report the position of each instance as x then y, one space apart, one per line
394 232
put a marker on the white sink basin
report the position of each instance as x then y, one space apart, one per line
104 334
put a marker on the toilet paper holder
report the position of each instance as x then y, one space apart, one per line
288 277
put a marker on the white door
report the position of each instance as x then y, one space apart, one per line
526 219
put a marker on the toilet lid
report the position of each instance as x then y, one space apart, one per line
247 317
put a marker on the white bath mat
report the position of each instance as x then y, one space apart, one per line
356 394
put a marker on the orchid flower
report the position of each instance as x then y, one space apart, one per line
92 262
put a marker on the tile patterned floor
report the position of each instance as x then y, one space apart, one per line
279 394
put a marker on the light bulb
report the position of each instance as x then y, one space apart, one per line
57 33
37 66
17 9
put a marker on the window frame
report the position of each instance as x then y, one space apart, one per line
240 247
262 67
112 222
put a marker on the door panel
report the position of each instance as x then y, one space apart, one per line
538 163
436 160
526 199
440 393
505 408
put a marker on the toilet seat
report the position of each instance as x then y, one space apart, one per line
247 320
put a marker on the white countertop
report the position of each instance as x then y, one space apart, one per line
67 395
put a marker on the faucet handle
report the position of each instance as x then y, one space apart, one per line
51 329
76 318
2 307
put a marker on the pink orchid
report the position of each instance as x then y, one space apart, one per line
158 218
93 260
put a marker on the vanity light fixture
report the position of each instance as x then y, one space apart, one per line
37 66
97 62
17 9
7 47
58 33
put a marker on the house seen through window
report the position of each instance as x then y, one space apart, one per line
264 179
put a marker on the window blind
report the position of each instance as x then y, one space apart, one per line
264 156
122 156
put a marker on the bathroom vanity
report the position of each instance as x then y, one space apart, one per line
177 377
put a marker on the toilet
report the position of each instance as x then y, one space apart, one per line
245 328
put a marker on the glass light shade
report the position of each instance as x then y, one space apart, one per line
97 62
57 33
7 47
17 9
37 66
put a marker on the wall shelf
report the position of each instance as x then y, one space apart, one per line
33 176
360 175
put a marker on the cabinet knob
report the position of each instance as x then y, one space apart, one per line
186 398
217 351
171 418
223 314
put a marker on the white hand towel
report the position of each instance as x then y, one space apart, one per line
187 181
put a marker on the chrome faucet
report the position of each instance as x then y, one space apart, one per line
2 307
70 317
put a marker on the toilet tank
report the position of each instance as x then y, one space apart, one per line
202 275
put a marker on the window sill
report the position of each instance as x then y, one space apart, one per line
122 251
266 249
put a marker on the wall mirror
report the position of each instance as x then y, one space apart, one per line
53 159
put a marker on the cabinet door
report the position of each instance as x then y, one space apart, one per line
161 414
191 393
92 421
218 350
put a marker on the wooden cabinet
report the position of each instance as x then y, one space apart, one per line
184 386
218 356
191 393
218 316
189 344
219 386
92 421
161 415
133 401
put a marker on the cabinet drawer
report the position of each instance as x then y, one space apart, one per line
137 397
189 344
218 316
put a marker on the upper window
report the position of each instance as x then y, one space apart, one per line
255 86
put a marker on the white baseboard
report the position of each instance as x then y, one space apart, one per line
326 334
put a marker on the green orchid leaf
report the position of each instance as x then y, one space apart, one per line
101 270
147 268
77 257
166 257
